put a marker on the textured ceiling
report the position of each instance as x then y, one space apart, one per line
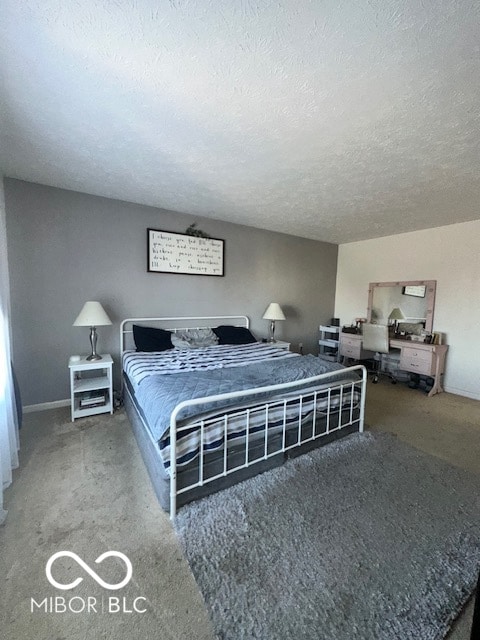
335 120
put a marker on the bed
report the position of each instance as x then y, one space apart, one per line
212 407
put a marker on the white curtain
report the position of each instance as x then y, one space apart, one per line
9 442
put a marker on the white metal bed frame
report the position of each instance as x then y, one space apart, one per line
326 394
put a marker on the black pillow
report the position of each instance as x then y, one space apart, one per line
228 334
151 339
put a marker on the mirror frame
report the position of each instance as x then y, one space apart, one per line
431 288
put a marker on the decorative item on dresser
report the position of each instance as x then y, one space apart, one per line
396 314
92 315
273 313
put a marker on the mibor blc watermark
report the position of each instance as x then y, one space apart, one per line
88 604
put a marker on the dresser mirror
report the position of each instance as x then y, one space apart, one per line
410 302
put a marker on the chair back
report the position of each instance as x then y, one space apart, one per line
375 337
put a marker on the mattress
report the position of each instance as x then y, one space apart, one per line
160 381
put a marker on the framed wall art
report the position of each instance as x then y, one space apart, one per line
169 252
417 290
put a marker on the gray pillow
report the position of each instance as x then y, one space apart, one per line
194 339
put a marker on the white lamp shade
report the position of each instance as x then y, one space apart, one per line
396 314
92 315
274 312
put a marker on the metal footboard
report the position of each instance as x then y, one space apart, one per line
292 418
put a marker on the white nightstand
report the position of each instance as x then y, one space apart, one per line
91 386
280 344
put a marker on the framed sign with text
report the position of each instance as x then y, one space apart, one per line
169 252
417 290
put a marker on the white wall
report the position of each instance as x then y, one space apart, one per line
451 256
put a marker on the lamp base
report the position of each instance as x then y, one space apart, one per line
93 343
272 331
94 356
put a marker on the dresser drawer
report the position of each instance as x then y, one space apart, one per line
350 341
351 347
417 361
351 350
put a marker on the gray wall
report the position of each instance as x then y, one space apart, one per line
66 248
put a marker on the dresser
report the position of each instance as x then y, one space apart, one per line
415 357
351 346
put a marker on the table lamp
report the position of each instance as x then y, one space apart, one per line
92 315
274 312
396 314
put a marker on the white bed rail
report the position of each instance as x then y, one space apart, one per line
340 404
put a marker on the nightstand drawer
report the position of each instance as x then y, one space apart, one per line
417 361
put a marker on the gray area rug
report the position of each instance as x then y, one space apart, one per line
366 538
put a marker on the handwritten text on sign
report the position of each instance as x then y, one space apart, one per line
181 253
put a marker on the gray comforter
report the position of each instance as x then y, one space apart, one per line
158 395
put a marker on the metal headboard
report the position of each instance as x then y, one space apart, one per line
180 323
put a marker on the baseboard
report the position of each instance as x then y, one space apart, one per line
43 406
462 392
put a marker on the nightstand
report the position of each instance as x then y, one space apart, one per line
280 344
91 386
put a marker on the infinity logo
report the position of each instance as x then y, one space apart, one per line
85 567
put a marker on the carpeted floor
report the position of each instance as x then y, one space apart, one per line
365 538
84 487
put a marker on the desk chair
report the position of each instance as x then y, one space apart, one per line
375 338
